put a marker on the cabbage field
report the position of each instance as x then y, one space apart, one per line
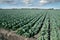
31 22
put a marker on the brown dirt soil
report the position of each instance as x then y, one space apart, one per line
10 35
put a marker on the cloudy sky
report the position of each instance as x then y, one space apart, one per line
30 3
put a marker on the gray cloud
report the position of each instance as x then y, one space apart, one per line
8 1
28 2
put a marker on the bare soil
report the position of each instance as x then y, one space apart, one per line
11 35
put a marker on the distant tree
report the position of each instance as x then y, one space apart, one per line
51 9
0 8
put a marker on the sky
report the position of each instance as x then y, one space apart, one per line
30 4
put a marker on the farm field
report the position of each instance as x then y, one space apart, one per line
42 24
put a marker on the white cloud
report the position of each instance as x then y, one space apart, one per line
43 2
27 1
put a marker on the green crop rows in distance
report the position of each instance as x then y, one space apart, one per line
29 22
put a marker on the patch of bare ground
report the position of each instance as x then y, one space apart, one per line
11 35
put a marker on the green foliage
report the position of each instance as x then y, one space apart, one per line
29 22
